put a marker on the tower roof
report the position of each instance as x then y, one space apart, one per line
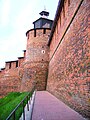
42 22
44 13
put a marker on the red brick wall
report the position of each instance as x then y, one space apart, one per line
9 81
10 78
69 66
36 62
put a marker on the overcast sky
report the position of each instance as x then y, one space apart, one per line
16 17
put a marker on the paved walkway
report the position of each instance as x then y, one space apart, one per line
48 107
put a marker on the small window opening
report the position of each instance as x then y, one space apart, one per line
43 51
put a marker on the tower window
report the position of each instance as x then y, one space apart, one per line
43 51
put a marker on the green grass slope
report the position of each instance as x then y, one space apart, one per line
8 103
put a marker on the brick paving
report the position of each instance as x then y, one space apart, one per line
48 107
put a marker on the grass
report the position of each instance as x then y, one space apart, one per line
8 103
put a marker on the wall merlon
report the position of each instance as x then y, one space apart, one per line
20 57
20 60
2 69
14 64
7 65
24 53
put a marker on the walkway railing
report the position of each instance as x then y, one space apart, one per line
22 104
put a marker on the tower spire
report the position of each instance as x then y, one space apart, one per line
44 8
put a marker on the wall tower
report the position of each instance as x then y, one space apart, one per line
37 54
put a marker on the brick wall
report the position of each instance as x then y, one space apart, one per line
10 77
69 66
9 81
69 59
36 62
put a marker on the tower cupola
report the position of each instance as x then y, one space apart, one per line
43 21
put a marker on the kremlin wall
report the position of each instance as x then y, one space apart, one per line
57 57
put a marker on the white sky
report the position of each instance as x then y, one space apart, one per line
16 17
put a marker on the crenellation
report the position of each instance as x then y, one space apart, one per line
39 32
14 64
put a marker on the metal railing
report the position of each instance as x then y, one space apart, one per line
26 100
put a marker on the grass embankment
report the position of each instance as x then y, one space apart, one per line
8 103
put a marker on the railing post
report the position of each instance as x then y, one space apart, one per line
14 115
23 111
30 100
27 104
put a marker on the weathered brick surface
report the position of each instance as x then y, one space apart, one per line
32 68
36 62
34 73
9 77
69 66
9 81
